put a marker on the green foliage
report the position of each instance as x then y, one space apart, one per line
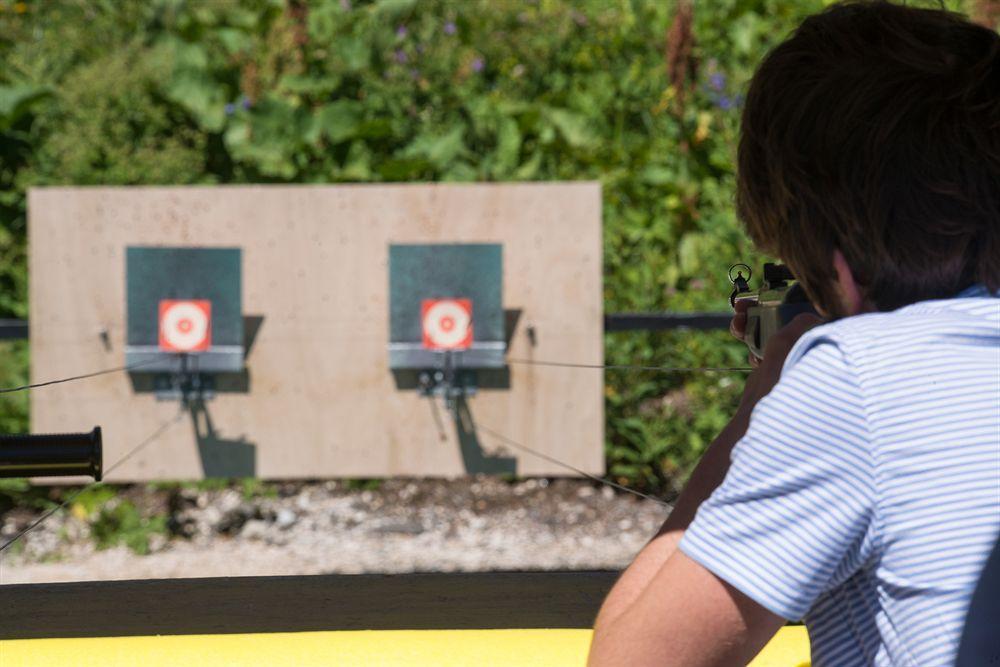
13 373
111 127
20 493
174 91
119 521
91 500
112 520
251 487
209 484
363 484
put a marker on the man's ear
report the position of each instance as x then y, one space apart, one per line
852 300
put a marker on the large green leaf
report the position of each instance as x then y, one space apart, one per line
394 7
17 100
234 41
268 137
340 120
354 52
439 150
201 95
573 127
357 165
508 146
189 55
530 169
310 84
402 169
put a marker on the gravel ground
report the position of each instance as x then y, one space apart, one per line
464 525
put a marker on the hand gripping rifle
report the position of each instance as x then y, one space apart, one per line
777 302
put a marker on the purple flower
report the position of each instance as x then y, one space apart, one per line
245 102
717 81
477 65
449 28
230 109
401 56
401 31
725 102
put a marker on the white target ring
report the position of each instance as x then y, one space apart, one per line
185 326
447 324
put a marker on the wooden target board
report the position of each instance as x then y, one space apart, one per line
316 398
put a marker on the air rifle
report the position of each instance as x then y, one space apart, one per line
777 302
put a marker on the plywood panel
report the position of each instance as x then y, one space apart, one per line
322 401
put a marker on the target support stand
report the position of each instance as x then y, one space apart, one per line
186 384
448 382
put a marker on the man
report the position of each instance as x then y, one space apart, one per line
858 486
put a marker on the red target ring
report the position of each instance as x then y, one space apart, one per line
185 325
447 324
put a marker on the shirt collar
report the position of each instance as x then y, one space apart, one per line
974 291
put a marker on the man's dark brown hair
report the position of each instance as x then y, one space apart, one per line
875 130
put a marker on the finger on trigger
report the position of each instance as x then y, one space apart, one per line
738 325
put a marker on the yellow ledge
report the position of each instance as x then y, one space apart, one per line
398 648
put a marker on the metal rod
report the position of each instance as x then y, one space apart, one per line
51 455
665 321
13 329
18 329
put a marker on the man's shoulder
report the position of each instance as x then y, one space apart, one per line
913 329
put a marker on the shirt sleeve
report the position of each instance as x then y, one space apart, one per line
791 519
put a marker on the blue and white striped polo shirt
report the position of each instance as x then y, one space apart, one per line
865 496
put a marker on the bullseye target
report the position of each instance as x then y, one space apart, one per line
447 324
185 326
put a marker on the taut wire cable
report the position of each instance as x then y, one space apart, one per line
625 367
135 450
106 371
513 443
524 362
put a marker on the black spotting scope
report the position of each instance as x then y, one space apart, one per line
51 455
